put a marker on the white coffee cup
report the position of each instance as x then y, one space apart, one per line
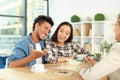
38 68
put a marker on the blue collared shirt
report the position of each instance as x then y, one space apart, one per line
22 50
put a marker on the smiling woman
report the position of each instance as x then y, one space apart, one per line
61 47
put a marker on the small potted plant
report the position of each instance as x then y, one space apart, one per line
75 18
105 47
99 17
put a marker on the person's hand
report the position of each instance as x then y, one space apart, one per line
63 59
36 53
105 78
90 61
70 58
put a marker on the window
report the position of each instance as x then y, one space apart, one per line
35 8
13 22
11 17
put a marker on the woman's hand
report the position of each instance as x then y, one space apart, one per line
63 59
105 78
90 61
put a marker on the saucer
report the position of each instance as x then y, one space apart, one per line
45 70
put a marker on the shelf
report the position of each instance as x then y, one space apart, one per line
90 34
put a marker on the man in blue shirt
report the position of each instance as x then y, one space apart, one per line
26 52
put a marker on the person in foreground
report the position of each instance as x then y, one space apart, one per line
108 66
61 47
26 51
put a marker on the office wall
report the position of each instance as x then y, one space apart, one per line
62 10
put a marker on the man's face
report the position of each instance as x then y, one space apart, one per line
43 29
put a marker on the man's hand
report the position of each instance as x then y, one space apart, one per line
36 53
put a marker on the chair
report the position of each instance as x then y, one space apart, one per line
2 61
1 64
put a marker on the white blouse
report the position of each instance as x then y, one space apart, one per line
104 67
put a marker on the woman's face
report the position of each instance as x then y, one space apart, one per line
63 33
117 31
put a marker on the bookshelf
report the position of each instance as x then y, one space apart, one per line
90 35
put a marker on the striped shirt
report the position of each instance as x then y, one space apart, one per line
68 50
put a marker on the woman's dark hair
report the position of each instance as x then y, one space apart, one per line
54 37
42 18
